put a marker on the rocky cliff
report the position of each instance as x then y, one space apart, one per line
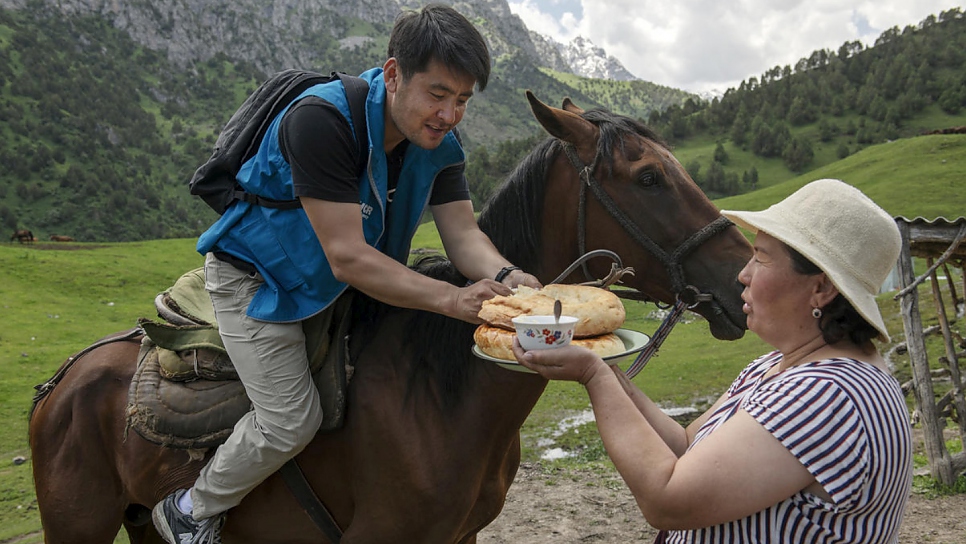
276 34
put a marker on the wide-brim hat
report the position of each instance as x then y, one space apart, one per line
843 232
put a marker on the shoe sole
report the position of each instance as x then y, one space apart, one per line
161 524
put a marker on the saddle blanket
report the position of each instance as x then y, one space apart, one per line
185 392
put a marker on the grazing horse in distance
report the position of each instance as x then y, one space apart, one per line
60 238
23 236
431 437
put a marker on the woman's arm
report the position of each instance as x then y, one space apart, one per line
738 470
670 431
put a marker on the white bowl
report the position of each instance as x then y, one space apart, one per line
543 331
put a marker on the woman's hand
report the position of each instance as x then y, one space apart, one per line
572 363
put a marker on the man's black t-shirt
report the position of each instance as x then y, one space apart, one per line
316 140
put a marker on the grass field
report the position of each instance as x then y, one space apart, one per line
57 299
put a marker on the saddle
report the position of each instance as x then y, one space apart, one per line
185 392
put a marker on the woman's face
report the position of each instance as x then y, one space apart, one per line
778 300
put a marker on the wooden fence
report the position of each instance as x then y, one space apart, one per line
939 242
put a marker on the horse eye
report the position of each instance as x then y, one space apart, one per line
647 179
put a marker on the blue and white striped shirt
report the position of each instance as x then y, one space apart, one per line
847 422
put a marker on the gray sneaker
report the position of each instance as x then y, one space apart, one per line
179 528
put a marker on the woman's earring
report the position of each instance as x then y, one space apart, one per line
816 313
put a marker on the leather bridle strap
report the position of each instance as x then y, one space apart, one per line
672 262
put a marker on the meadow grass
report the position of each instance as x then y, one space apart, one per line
56 299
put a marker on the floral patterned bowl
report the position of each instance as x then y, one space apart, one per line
543 332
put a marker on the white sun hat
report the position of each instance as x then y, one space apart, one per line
843 232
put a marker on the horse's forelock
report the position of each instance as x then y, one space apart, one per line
613 128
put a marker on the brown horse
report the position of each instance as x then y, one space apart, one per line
23 236
430 442
60 238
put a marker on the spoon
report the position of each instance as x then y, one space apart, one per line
557 309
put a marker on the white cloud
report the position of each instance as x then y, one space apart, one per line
702 45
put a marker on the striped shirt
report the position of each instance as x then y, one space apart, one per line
846 421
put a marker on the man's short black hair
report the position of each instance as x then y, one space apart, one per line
438 32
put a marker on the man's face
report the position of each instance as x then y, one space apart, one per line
425 106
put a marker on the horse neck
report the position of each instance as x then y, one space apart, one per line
430 357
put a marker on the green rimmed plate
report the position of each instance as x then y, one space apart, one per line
634 342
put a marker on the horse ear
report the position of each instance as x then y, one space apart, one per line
563 124
569 105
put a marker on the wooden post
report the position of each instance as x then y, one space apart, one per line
940 465
952 287
958 401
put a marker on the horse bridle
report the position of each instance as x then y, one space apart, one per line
690 295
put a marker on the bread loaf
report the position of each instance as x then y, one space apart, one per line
498 342
599 310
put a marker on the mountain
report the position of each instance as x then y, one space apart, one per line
580 57
108 106
270 35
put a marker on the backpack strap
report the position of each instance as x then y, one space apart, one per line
356 91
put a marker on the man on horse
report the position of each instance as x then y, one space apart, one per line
267 270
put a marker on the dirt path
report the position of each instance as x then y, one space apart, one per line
584 506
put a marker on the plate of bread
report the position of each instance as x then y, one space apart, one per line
599 312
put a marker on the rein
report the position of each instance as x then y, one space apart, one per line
687 296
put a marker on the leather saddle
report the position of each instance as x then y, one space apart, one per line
185 392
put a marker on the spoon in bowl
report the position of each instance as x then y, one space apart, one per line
557 310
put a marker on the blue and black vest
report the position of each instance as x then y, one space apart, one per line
282 244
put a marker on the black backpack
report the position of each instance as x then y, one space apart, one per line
214 181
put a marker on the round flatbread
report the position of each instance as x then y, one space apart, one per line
498 342
599 310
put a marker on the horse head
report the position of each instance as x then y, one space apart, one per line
612 183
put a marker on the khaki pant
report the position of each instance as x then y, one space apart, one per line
271 362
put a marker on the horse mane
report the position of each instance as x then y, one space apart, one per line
440 346
511 216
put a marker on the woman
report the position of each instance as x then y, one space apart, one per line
811 443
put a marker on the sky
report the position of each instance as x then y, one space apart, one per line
708 46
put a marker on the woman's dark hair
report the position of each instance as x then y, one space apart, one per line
438 32
839 319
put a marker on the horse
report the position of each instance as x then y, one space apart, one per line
60 238
23 236
430 441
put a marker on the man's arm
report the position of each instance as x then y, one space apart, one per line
338 226
470 249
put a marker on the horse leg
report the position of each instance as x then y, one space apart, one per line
76 433
138 533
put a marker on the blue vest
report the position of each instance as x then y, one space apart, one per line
281 243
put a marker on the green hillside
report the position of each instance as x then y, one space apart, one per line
99 134
923 176
794 119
